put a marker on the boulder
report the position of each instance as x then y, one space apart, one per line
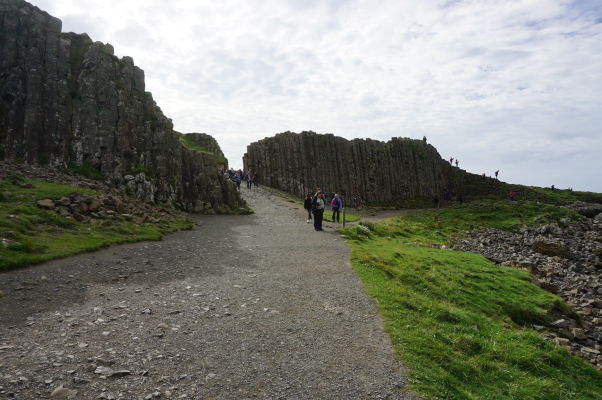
46 204
550 247
589 210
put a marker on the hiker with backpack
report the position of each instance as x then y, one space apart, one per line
336 205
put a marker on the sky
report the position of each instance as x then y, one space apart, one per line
508 85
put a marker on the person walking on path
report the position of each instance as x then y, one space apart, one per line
307 206
237 179
318 210
337 206
512 195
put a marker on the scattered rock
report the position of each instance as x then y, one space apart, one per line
46 204
563 260
62 392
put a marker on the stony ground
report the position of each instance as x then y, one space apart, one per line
240 307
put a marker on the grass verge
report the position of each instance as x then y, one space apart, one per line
460 323
32 235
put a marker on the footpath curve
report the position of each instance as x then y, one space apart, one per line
241 307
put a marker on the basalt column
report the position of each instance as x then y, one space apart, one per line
68 101
363 170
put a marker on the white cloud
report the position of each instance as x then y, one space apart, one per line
509 85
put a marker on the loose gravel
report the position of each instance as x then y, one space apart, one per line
240 307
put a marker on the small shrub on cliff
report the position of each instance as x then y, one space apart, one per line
85 169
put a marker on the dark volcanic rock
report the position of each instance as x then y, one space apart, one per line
66 100
208 144
364 171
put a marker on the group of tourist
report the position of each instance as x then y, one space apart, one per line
451 161
238 176
315 204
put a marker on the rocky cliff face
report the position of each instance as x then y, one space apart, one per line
369 171
68 101
206 144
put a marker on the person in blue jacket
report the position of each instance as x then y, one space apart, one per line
337 205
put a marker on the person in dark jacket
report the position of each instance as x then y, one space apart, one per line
337 206
318 210
307 206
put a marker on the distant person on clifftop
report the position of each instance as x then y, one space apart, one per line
451 161
336 205
307 206
456 162
318 210
497 172
424 139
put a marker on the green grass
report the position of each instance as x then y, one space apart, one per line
348 217
190 145
460 323
85 169
38 235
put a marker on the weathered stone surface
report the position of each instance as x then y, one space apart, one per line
66 100
589 210
550 247
208 144
364 171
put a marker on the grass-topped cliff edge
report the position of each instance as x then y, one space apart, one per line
461 324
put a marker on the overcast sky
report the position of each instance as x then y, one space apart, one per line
510 85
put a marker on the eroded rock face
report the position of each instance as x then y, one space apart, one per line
208 144
66 100
364 171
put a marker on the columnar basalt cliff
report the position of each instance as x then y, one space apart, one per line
206 144
365 171
68 101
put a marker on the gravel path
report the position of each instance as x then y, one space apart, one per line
240 307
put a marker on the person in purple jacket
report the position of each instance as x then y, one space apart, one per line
337 205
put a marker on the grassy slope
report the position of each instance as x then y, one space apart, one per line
40 235
459 322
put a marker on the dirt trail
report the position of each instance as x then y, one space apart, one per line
240 307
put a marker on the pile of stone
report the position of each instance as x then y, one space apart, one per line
85 208
564 258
